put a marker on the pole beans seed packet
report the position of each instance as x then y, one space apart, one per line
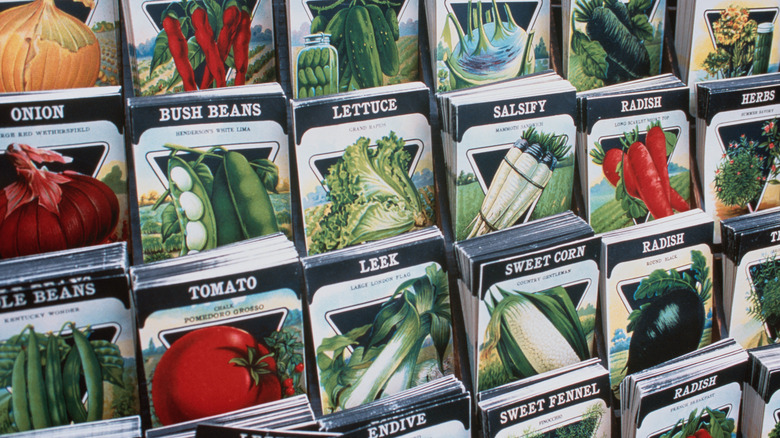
211 169
63 171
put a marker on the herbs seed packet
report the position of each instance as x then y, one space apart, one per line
380 318
48 45
694 395
365 166
572 401
63 171
337 46
211 168
751 278
534 306
67 343
509 153
606 42
656 291
478 42
190 45
220 331
737 132
719 39
634 152
761 409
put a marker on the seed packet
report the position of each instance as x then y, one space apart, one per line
365 166
63 170
478 43
211 168
656 292
751 246
189 45
220 332
337 46
738 145
509 152
606 42
634 152
720 39
67 355
697 394
380 318
761 410
83 51
530 305
571 401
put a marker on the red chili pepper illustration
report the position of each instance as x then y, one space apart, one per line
241 47
177 45
204 35
231 16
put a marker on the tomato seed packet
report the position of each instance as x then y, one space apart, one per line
68 326
66 149
220 331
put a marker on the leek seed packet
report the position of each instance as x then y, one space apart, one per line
63 171
635 152
656 291
480 42
211 169
220 331
365 165
738 151
67 320
380 318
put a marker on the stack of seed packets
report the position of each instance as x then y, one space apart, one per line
761 409
633 150
478 43
509 152
437 408
220 331
751 277
65 150
696 394
570 401
611 41
365 165
529 296
656 291
738 145
380 318
68 346
211 168
206 431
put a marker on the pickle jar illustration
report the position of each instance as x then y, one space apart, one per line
763 48
317 67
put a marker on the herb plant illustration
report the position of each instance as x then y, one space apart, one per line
206 33
491 48
56 379
672 322
534 333
771 144
418 310
709 423
764 294
741 174
735 40
372 196
613 47
519 181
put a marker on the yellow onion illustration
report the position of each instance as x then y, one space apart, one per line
44 48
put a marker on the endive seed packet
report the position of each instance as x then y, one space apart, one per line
67 344
380 318
211 169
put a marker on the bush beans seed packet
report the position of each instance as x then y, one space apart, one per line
221 330
380 318
658 271
190 45
365 165
738 147
63 170
68 326
211 168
